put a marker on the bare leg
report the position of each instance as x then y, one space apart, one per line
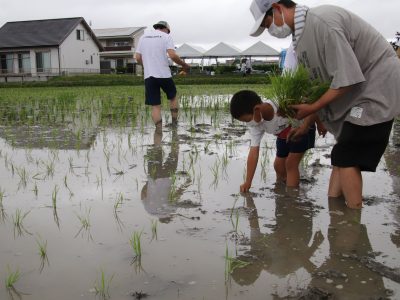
174 107
292 169
335 189
346 182
351 183
156 114
280 169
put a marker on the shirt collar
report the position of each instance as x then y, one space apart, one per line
299 21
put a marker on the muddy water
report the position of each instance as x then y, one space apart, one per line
85 195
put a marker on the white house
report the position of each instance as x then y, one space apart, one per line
119 47
32 50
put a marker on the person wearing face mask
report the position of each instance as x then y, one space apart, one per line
337 46
291 143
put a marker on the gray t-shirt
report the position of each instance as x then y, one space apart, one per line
338 46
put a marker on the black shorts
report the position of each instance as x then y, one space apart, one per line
152 89
361 146
284 147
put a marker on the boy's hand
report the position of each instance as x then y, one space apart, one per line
296 133
321 129
245 187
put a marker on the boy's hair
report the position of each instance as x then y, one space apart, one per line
243 103
286 3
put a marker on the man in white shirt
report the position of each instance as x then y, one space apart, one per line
153 50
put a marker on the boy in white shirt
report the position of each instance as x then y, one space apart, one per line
291 143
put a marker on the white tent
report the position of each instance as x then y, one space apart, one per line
222 50
190 51
260 49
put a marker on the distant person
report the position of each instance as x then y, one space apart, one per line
291 143
337 46
153 50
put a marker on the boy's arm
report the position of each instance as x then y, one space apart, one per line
252 160
296 133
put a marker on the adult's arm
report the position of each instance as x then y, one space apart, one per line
331 95
138 58
175 58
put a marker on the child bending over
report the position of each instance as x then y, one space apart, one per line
291 143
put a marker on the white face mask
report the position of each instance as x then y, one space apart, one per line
279 31
253 123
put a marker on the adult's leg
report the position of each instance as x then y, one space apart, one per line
156 114
351 184
292 169
174 107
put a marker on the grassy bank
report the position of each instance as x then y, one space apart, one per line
132 80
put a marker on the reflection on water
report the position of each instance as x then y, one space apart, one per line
342 274
287 249
161 192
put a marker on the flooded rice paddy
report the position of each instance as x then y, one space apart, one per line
97 204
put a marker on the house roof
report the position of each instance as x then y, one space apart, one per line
40 33
117 32
260 49
222 50
190 51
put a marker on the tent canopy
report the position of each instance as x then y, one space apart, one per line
260 49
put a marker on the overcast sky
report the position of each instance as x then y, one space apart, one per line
199 22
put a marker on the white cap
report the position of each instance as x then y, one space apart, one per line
163 24
258 8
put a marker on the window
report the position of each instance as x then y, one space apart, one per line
80 34
6 63
43 62
91 59
24 63
121 43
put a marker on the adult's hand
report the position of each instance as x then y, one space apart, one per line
302 110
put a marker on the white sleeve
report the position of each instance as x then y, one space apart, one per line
170 43
256 135
290 59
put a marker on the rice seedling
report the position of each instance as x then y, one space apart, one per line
54 197
42 245
295 87
23 176
84 220
18 219
232 263
173 190
102 285
12 278
154 229
135 242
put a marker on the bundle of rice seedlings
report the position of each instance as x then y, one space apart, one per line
295 87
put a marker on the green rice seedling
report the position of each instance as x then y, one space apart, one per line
289 88
231 264
172 192
12 278
154 229
23 176
35 189
42 252
135 242
18 219
54 196
84 219
102 286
